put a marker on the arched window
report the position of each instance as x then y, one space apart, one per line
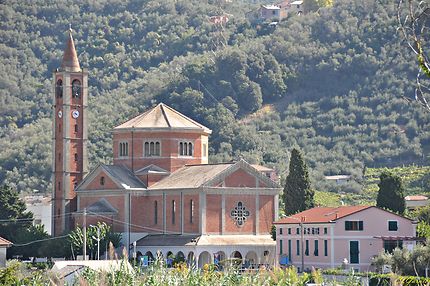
123 149
102 180
59 89
76 89
186 149
173 211
191 211
155 212
157 149
190 149
152 148
146 149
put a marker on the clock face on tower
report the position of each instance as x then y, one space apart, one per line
60 114
75 114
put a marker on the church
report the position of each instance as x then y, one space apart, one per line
161 192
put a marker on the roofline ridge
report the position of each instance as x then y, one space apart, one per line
183 115
134 118
164 114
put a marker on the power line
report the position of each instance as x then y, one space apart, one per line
138 226
31 219
40 240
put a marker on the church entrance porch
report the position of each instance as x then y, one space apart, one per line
243 251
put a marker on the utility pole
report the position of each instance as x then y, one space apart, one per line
85 234
98 243
303 253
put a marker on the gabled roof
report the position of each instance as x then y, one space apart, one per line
195 176
5 242
321 214
152 169
70 57
191 176
121 175
102 206
163 117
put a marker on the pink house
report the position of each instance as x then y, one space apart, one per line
330 236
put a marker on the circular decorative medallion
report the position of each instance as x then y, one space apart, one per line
60 114
75 114
239 214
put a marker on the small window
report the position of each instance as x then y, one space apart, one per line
76 89
280 247
289 230
298 247
280 230
326 247
325 230
155 212
173 211
102 180
123 149
354 225
76 128
186 149
152 149
59 89
59 186
297 230
392 225
76 157
316 248
307 247
75 185
191 211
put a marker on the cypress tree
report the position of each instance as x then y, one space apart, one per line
298 195
390 194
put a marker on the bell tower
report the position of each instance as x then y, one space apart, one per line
70 136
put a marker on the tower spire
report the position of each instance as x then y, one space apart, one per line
70 57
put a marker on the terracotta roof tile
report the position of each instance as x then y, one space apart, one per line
163 117
321 214
416 198
192 176
5 242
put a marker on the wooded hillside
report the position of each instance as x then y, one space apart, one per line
329 82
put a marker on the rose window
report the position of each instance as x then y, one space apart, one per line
239 214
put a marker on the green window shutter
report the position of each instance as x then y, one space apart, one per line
316 248
325 247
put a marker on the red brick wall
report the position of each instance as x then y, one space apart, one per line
194 226
213 213
95 184
240 178
116 201
143 213
267 213
169 148
231 202
170 227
